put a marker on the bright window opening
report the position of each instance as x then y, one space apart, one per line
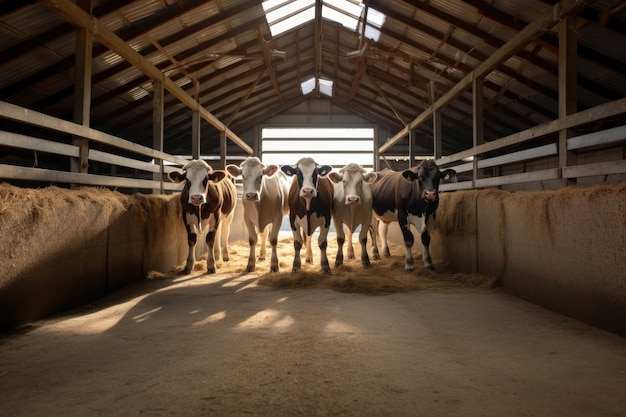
328 146
284 15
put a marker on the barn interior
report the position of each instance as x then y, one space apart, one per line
526 100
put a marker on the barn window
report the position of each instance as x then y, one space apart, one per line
329 146
283 15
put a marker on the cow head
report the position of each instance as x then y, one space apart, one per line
251 171
352 177
308 172
197 175
428 176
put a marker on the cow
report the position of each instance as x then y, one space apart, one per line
264 200
310 205
208 199
352 206
409 197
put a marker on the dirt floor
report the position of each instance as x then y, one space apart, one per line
380 342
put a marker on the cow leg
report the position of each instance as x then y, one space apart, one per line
365 259
349 246
408 244
384 230
191 255
428 262
252 239
262 249
297 247
308 249
274 242
374 233
210 260
225 234
341 239
323 243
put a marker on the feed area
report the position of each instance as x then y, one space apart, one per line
362 342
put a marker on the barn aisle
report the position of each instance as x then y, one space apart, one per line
225 346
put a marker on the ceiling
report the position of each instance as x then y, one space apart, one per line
387 71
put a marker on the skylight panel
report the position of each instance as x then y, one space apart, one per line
307 86
326 87
283 16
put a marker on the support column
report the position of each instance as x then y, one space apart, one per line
567 85
195 125
158 110
437 139
82 91
222 150
411 147
478 123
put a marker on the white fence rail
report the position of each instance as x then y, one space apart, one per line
22 115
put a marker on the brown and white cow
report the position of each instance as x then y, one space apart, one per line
352 206
310 205
409 197
208 201
264 199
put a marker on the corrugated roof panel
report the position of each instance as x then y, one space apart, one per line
31 21
138 10
606 42
458 9
198 14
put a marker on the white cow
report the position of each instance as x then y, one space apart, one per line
264 199
352 206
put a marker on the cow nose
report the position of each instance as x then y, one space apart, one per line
308 192
252 196
353 200
196 199
430 195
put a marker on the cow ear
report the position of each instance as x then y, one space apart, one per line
335 177
216 176
324 170
233 170
177 176
449 175
289 170
270 170
370 177
409 175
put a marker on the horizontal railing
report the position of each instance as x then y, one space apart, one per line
26 116
471 163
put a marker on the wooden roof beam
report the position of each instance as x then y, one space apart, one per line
79 18
521 39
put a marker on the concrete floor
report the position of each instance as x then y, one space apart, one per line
224 346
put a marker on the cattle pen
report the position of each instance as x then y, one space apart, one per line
515 304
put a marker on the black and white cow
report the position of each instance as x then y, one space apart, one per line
208 201
310 205
352 206
264 199
410 197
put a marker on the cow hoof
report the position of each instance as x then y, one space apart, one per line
210 270
430 267
376 257
274 269
338 263
409 269
366 264
250 268
186 271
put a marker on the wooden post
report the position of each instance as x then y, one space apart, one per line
158 110
411 148
222 149
437 139
567 85
478 122
195 124
82 91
